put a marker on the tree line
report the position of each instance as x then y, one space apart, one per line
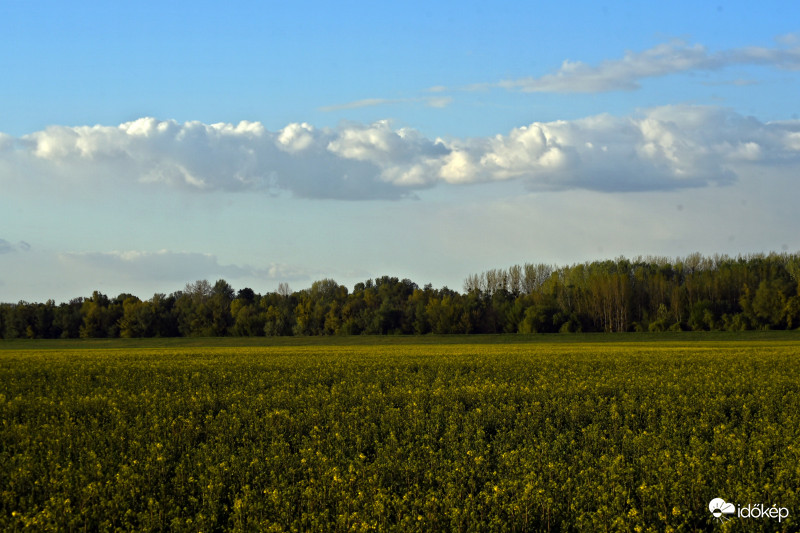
719 292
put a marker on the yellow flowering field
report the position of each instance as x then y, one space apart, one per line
591 436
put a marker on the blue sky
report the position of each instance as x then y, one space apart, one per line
143 145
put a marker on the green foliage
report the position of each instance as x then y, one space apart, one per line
643 294
407 437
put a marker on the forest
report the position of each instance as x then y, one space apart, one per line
756 291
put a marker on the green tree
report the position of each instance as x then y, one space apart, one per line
219 303
97 318
138 318
768 305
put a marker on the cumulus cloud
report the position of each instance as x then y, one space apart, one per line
663 148
668 58
660 148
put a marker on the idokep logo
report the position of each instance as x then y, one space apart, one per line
724 511
720 508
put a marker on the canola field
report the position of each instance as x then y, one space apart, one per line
544 436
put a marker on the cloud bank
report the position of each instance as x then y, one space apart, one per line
662 148
668 58
170 266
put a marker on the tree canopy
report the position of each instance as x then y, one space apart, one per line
643 294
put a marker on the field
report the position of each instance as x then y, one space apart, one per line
420 434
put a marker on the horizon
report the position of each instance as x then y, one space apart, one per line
467 284
145 146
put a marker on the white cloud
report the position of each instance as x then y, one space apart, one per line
430 101
439 102
366 102
659 148
669 58
296 137
662 148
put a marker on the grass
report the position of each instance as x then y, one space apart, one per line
685 337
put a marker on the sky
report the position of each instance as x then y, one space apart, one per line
145 145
